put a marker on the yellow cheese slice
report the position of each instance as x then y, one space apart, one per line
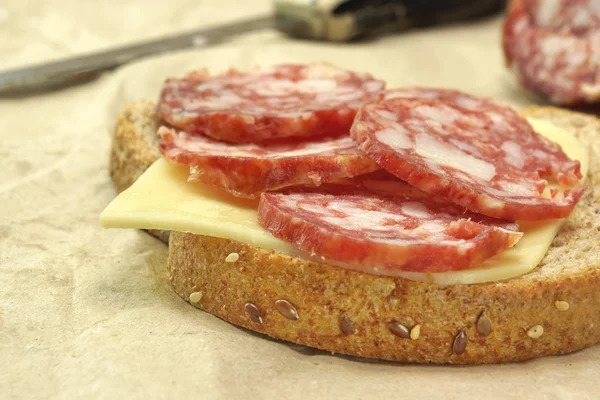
163 199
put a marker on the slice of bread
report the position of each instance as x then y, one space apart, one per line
555 309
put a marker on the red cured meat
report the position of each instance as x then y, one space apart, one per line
384 227
245 170
277 102
553 46
470 151
574 16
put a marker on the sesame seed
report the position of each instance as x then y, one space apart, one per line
535 331
561 305
232 257
415 332
195 297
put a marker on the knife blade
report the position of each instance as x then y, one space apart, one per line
82 68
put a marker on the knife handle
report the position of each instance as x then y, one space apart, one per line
342 21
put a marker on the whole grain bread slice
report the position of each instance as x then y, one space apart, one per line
554 309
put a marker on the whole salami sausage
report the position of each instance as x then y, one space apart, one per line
384 227
470 151
553 46
246 170
282 101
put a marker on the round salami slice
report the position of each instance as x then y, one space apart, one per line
384 227
277 102
554 48
245 170
475 153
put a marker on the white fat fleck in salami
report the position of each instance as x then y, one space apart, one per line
263 104
513 153
396 137
246 170
415 209
548 12
466 147
553 47
446 155
480 155
441 114
383 227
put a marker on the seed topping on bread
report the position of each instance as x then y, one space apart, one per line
286 309
253 313
195 297
399 330
232 257
415 332
535 331
460 342
346 325
484 325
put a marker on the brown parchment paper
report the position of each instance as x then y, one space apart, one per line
88 313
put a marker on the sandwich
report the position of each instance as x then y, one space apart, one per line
314 205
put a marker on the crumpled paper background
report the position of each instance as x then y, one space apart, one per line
88 313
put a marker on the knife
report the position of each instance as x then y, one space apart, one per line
326 20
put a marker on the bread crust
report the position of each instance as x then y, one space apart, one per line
350 312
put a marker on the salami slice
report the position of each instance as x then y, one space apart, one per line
472 152
554 48
384 227
277 102
245 170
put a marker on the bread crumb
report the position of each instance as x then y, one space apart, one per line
195 297
232 257
535 331
415 332
561 305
